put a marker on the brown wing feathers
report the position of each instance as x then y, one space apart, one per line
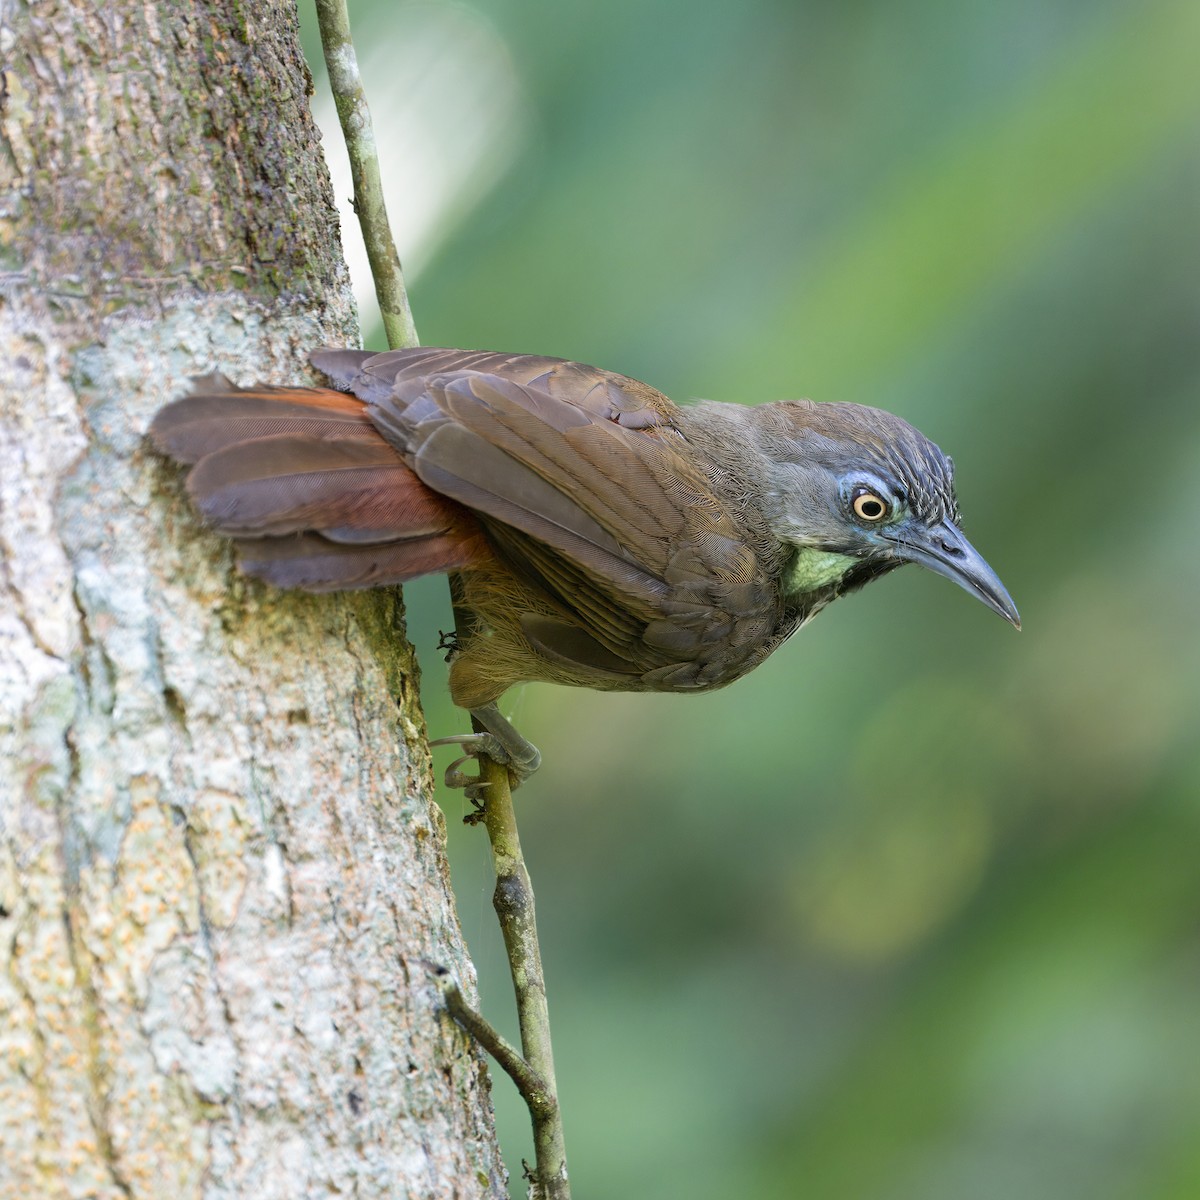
617 398
513 457
271 462
616 525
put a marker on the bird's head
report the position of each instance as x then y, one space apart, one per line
858 491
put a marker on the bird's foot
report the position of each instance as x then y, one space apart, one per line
498 741
479 746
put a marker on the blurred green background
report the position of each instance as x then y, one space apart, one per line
913 911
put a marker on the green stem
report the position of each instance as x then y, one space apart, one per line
344 80
531 1086
513 902
513 898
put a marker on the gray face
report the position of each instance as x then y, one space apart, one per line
858 491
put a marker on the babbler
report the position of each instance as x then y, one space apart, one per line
604 536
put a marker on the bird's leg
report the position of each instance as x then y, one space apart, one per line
497 740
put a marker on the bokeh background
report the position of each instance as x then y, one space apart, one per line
914 910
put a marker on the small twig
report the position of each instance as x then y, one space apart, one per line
342 64
531 1085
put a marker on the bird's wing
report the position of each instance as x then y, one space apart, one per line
614 522
373 377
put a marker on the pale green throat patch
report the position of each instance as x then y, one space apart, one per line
812 569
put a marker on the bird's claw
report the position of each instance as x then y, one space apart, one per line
473 787
486 745
494 739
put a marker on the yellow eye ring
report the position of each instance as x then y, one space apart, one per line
868 506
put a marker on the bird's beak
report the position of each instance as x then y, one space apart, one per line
942 548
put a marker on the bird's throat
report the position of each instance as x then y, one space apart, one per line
814 570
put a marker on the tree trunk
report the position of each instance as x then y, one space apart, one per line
220 867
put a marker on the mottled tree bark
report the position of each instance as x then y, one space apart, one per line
220 867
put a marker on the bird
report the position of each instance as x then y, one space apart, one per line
599 534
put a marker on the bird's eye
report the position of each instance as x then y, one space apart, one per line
868 506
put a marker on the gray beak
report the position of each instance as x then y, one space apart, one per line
943 549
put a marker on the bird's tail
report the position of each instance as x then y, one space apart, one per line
310 492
